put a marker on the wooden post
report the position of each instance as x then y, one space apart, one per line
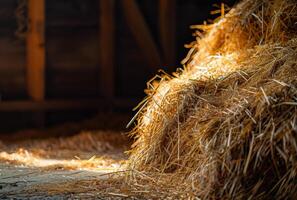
141 33
167 27
36 56
36 50
106 45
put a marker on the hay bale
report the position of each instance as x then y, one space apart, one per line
227 125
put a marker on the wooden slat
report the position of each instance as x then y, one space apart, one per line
141 33
106 45
53 105
36 50
167 27
49 105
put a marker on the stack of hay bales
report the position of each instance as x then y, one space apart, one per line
227 125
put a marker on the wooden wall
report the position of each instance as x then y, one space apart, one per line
90 54
72 43
12 54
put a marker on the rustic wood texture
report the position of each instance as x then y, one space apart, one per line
134 37
167 27
36 50
106 45
12 54
12 68
72 63
141 33
64 104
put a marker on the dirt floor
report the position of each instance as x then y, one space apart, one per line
75 167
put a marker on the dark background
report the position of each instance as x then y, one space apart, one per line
72 59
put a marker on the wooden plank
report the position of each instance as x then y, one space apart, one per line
49 105
12 53
106 51
167 27
67 83
65 49
53 105
12 84
141 33
36 50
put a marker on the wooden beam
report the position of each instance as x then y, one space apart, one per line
167 27
62 104
141 33
106 45
36 50
49 105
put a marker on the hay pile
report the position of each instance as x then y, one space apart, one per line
226 126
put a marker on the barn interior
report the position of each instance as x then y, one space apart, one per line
71 72
82 98
69 60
